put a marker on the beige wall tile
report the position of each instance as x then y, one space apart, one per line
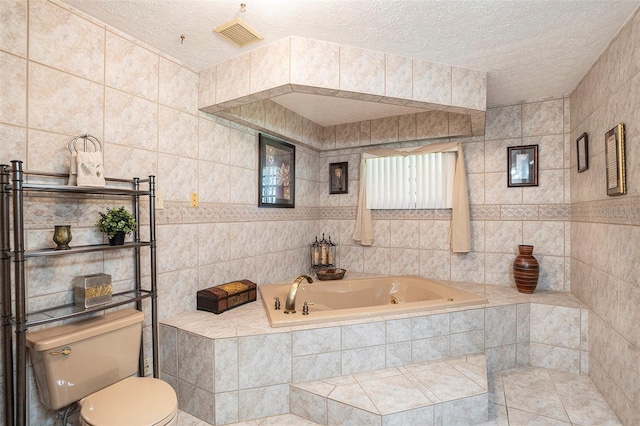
407 127
14 143
65 41
398 77
270 66
550 189
177 133
179 176
496 154
213 141
468 88
362 71
315 63
120 161
13 32
432 124
131 68
498 269
431 82
130 120
504 122
48 152
384 130
233 78
13 91
207 87
542 118
546 237
213 182
178 86
62 103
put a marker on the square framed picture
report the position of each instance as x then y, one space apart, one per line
339 178
582 148
522 165
276 173
614 150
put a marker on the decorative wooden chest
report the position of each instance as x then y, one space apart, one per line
226 296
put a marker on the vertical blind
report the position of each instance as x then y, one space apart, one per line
422 181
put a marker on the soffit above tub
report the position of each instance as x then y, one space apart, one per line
531 49
331 84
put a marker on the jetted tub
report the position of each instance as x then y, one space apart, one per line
362 297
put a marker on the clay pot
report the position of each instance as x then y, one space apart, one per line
526 270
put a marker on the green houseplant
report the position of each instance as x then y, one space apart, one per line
116 223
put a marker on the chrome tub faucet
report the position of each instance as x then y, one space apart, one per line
290 304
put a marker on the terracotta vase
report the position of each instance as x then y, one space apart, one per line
526 270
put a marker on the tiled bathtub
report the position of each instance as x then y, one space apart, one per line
233 367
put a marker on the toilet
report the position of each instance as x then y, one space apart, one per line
93 362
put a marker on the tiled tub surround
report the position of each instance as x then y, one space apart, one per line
233 367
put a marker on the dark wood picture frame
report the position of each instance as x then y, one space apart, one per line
614 149
582 149
339 178
276 172
522 165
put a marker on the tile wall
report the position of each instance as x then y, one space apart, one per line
144 106
605 234
237 368
416 242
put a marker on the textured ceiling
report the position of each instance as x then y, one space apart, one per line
531 49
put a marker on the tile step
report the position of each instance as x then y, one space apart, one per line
443 392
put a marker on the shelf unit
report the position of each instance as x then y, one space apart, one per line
13 187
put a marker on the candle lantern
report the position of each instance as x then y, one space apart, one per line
322 253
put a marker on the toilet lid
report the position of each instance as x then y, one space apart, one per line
134 401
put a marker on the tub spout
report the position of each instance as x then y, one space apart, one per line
290 305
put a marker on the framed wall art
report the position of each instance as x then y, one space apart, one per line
339 178
276 172
614 151
522 165
582 148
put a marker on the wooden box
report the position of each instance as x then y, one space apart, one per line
226 296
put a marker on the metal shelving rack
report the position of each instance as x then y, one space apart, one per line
12 190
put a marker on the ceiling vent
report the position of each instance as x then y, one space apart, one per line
238 33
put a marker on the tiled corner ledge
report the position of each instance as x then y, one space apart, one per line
234 366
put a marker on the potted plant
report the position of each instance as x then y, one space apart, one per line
116 223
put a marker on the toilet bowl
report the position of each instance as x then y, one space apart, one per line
135 401
94 362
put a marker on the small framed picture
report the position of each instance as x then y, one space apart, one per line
339 178
276 173
582 145
522 167
614 150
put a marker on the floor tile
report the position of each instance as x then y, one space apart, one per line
592 411
520 418
537 401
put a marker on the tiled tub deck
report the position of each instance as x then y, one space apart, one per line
234 366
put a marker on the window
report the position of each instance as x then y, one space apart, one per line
422 181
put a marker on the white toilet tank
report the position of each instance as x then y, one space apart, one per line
75 360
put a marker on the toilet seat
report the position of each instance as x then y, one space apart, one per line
134 401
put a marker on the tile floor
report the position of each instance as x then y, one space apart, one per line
520 396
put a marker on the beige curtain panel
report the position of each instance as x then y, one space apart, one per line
460 235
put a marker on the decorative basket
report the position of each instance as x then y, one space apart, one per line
330 274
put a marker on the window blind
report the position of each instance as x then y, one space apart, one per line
422 181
